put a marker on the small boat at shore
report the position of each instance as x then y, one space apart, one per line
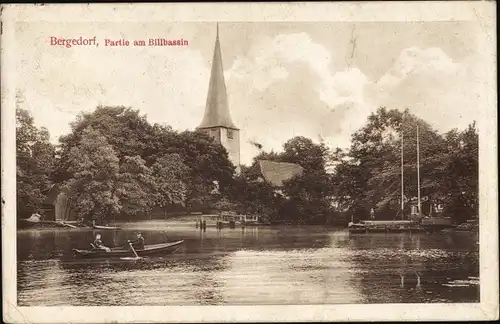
149 250
469 226
35 221
396 226
110 228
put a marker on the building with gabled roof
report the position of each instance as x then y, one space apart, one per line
276 173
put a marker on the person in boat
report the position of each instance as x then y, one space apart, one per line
138 244
99 245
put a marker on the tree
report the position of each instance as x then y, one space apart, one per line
209 166
125 130
369 173
95 169
170 175
35 158
304 152
253 195
136 186
205 164
462 174
308 195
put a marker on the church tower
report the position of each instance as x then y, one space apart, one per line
217 120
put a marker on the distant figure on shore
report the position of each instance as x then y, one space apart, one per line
139 243
99 245
372 214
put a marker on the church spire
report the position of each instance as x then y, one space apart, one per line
217 109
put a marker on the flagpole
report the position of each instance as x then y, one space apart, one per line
418 173
402 174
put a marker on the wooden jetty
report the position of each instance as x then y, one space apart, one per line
228 219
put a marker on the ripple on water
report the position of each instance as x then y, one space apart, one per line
283 266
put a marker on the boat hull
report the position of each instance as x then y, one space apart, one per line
357 230
385 227
256 224
109 228
26 223
149 250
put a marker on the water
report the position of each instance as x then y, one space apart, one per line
267 265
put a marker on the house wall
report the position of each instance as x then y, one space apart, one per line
230 140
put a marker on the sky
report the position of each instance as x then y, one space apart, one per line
320 80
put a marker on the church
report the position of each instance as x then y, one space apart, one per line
217 121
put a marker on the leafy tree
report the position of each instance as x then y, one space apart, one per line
125 130
209 167
308 195
304 152
170 175
462 174
202 163
95 169
136 186
35 158
255 196
369 173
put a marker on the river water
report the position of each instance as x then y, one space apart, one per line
265 265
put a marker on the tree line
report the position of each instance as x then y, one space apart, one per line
114 163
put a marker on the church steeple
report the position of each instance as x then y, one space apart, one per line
217 109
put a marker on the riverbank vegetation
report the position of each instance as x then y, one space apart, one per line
115 164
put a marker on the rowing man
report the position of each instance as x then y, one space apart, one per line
139 243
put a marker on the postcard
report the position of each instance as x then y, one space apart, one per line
249 162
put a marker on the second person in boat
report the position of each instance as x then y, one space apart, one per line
99 245
138 244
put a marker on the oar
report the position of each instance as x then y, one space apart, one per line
133 250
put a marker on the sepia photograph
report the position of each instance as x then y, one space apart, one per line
240 162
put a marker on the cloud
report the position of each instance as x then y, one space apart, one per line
283 86
436 88
286 87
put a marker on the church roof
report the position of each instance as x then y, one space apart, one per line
217 109
277 172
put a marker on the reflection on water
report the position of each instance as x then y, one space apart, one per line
267 265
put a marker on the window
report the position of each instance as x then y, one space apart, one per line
230 133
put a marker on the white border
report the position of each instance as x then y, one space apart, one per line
359 11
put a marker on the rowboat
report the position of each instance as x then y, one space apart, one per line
100 227
149 250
